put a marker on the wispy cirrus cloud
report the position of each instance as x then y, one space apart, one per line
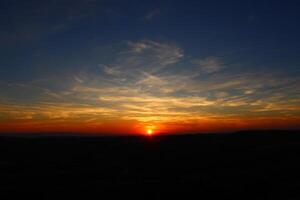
152 14
209 64
162 54
143 57
141 84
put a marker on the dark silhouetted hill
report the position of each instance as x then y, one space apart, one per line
242 165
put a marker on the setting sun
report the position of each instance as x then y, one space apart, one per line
149 132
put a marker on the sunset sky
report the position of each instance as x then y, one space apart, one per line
126 67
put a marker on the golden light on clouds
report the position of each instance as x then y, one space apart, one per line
143 90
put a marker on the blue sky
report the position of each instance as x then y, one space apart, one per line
212 59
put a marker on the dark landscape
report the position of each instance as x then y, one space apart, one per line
241 165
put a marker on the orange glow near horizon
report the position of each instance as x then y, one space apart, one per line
131 127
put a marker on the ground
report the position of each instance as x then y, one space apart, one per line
243 165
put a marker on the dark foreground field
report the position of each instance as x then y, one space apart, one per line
244 165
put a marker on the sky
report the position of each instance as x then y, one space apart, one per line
126 67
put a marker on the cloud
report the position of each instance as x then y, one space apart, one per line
150 80
160 53
78 79
111 71
221 94
142 83
209 65
145 56
152 14
139 47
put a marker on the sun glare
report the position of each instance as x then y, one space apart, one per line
149 132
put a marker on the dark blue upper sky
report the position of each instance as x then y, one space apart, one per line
40 36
